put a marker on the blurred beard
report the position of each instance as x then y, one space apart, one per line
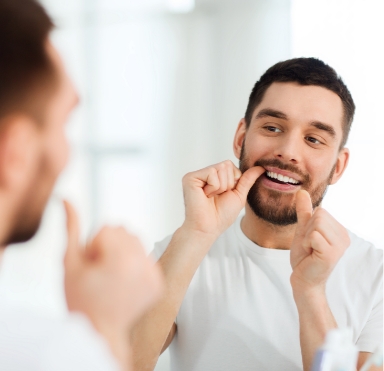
25 230
279 208
31 207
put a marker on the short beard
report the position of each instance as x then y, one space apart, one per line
271 208
30 210
26 222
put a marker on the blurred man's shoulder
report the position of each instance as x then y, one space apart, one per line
69 341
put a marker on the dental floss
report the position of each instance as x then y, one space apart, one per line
338 353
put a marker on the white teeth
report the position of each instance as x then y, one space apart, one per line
282 178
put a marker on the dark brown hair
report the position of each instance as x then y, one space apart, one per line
27 75
304 71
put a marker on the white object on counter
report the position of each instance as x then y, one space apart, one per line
375 359
338 353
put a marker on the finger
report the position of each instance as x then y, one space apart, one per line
322 222
332 231
73 233
106 241
247 180
231 176
237 174
316 241
212 182
303 210
223 180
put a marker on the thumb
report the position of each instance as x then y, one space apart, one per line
72 253
304 210
247 180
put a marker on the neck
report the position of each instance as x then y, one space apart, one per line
266 234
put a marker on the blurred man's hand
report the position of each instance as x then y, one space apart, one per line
111 281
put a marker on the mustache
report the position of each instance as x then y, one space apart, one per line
281 165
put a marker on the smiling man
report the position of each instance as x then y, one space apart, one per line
260 291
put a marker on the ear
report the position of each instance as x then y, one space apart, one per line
341 165
239 137
18 150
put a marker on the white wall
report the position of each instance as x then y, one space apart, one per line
222 48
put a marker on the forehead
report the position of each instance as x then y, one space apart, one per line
304 103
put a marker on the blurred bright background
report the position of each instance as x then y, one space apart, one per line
163 84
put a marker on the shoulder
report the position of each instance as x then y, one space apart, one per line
362 263
78 345
49 343
364 252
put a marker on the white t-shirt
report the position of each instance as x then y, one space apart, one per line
239 312
34 343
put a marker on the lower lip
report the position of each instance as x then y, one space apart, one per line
277 186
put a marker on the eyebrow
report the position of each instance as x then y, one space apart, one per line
325 127
269 112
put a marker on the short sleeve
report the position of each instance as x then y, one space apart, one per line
372 334
160 247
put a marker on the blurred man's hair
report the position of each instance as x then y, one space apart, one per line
27 75
304 71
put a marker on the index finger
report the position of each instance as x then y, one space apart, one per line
73 233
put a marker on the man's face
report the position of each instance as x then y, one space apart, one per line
295 134
51 155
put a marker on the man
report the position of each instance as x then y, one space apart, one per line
260 291
111 281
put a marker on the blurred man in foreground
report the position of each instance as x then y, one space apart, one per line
260 291
110 281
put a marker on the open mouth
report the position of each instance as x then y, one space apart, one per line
281 179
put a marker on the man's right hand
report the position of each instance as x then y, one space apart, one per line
111 281
215 195
213 198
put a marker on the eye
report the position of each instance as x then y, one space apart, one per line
313 140
273 129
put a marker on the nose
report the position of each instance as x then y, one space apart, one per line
288 149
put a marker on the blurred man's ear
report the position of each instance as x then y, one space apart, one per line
239 138
19 148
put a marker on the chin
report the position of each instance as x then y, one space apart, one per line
274 207
23 234
25 228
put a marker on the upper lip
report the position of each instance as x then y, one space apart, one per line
283 172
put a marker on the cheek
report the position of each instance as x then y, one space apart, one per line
58 152
256 148
320 169
62 153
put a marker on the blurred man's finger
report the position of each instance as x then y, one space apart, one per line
73 233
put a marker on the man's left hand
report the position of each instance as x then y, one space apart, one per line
319 243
